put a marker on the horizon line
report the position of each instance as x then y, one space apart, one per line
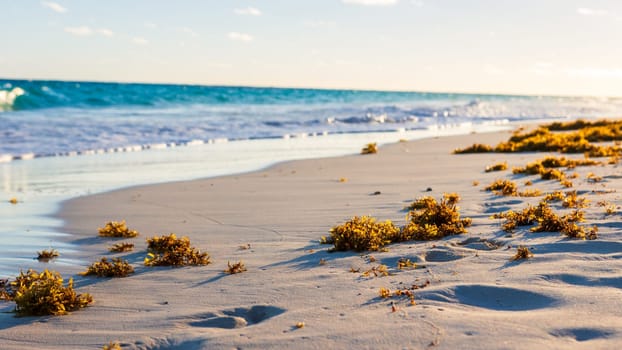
285 87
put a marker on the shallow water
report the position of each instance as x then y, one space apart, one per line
41 184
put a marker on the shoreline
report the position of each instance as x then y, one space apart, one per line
283 210
40 185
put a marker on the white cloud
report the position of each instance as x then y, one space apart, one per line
418 3
150 25
591 12
249 11
79 31
371 2
188 31
105 32
240 36
88 31
319 24
140 41
54 6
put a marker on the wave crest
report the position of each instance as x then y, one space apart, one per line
8 97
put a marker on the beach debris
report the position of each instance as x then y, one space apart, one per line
117 229
571 137
235 267
377 271
47 255
121 247
554 196
539 167
322 262
401 293
610 208
503 188
343 179
429 189
384 292
593 178
530 193
4 289
547 221
41 294
431 220
475 183
522 252
375 193
300 325
112 346
246 246
370 148
168 250
404 263
475 148
13 200
363 233
105 268
572 201
497 167
326 240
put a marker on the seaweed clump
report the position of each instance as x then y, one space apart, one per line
475 148
497 167
525 217
503 187
522 253
112 346
168 250
47 255
427 220
564 138
547 221
117 229
370 148
363 233
235 267
104 268
121 247
45 293
430 220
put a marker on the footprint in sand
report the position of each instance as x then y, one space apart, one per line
238 317
442 254
477 243
492 297
584 280
582 334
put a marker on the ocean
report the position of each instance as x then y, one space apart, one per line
59 140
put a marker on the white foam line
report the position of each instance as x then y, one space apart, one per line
195 143
26 156
6 158
157 146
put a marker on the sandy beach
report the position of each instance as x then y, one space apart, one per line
565 297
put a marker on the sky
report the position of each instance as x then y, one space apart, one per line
535 47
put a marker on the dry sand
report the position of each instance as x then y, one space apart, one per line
566 297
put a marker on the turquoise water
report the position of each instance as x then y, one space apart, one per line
51 118
59 140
